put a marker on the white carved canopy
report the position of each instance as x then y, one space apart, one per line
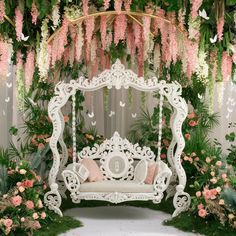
117 77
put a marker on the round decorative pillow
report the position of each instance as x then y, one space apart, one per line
140 171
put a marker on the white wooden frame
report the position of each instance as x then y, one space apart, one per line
118 77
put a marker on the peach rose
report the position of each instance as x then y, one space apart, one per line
22 171
8 223
190 160
218 189
224 176
213 180
29 204
35 216
40 204
163 156
198 194
208 160
28 183
16 201
221 202
200 206
21 189
191 115
207 194
66 118
187 136
202 213
43 215
41 146
196 159
192 123
186 158
212 173
219 163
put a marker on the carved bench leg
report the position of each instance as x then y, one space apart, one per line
181 201
52 199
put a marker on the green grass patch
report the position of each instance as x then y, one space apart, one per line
57 226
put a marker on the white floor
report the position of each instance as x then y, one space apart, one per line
121 221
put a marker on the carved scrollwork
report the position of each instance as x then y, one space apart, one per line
71 180
181 201
52 199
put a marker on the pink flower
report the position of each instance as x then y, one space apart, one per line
200 206
5 56
28 183
191 115
2 10
34 13
208 160
18 23
127 4
186 158
226 66
221 202
29 68
117 6
106 4
196 159
213 193
192 123
219 163
29 204
8 223
16 201
103 31
198 194
220 27
224 176
163 156
195 6
120 26
43 215
37 224
85 7
213 180
66 118
202 213
187 136
207 194
41 146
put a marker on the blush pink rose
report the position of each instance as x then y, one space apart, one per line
16 201
29 204
8 223
191 115
219 163
37 224
192 123
207 194
28 183
198 193
66 118
163 156
43 215
41 146
187 136
200 206
202 213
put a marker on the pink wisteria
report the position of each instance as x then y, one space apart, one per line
195 6
120 26
18 23
5 55
220 27
34 13
29 68
2 10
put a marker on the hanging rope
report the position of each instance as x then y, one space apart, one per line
160 126
74 128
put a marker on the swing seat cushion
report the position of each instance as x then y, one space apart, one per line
123 186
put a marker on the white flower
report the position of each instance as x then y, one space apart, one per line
35 216
22 171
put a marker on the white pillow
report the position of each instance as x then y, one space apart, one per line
140 171
81 171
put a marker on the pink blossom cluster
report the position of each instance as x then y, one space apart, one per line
18 23
195 6
34 13
226 66
191 54
85 7
103 30
4 57
29 68
89 28
220 27
106 4
127 4
120 26
2 10
118 5
137 33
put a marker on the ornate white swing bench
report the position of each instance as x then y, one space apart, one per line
121 163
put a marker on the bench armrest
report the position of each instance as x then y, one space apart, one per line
162 178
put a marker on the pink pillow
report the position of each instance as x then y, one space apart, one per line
151 173
95 173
